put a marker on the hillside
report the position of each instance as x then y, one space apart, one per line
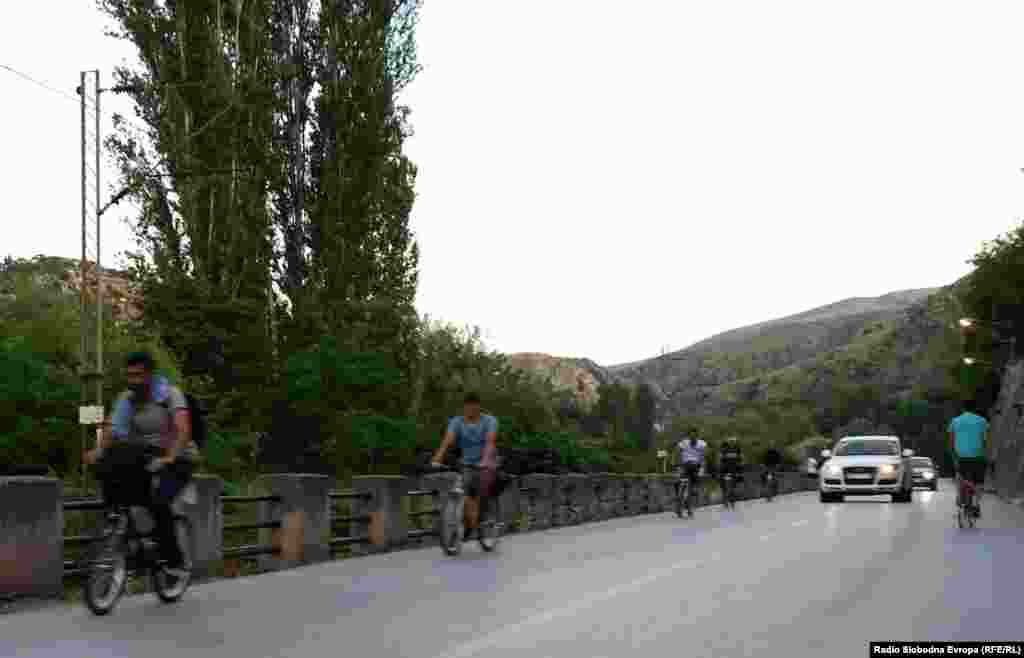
869 350
875 342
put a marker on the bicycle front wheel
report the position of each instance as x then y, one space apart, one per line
108 573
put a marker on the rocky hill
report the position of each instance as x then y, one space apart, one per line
581 376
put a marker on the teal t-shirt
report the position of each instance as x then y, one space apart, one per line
968 432
472 438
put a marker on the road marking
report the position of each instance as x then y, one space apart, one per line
491 640
768 536
797 524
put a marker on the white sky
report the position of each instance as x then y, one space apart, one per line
600 180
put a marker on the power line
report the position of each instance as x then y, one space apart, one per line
44 85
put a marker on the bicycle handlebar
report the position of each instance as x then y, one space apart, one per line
458 467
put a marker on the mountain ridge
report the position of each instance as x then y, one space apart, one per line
874 340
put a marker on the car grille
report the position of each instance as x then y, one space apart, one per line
859 474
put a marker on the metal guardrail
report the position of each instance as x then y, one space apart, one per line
342 541
250 550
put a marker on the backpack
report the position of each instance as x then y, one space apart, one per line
197 418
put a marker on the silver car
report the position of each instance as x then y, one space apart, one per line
866 466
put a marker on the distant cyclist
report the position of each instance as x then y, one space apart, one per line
730 460
967 434
772 461
691 457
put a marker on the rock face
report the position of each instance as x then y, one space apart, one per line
117 290
581 376
1006 447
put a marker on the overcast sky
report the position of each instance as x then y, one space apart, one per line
599 182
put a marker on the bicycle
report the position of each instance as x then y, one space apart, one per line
451 531
124 551
685 494
771 484
966 509
728 488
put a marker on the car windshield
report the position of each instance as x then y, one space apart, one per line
922 461
872 447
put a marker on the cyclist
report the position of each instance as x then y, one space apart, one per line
476 435
772 461
730 460
149 419
967 434
691 458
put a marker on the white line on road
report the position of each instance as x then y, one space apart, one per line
768 536
797 524
509 632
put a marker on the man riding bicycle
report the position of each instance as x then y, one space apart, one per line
691 458
772 460
150 432
476 435
967 434
730 460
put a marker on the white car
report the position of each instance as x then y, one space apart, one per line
866 466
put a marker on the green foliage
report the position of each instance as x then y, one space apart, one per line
38 409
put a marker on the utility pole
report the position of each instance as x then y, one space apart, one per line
95 351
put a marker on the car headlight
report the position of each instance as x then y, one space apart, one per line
832 469
928 475
887 469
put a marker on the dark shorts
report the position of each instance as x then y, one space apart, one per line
472 480
972 470
691 472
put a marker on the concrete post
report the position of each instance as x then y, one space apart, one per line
511 504
207 517
539 486
656 494
561 499
612 497
579 497
388 527
442 484
599 486
31 536
306 507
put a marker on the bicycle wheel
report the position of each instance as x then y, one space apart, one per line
451 528
108 573
167 588
489 534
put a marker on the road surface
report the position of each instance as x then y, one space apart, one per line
789 578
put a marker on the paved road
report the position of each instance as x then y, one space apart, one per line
793 577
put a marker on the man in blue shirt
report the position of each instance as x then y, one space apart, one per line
476 435
967 434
